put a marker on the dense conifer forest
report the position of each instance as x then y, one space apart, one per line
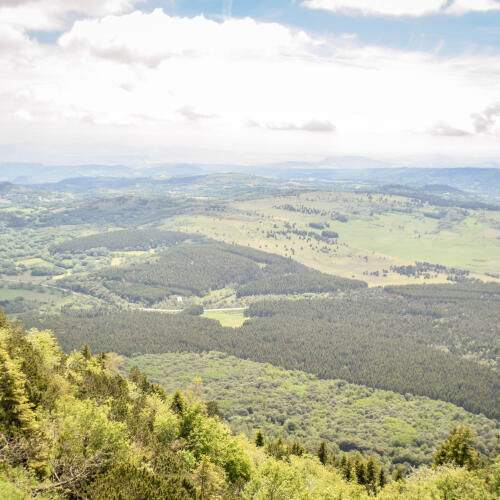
443 344
194 268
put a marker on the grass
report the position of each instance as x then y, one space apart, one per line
233 319
12 293
375 238
35 261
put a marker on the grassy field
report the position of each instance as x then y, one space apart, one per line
36 261
40 298
40 295
233 319
296 404
377 235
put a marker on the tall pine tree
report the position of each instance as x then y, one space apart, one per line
322 452
16 413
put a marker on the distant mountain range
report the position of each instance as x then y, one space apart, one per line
478 179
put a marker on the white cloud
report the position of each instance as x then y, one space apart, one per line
23 114
445 130
485 121
186 89
378 7
11 39
349 36
460 7
313 125
46 15
398 8
151 38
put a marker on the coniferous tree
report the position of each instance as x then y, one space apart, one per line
398 474
322 452
259 438
277 449
178 404
86 352
4 322
297 448
347 470
382 480
371 471
16 413
360 471
458 449
213 409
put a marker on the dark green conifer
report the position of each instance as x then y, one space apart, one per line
398 474
297 448
16 414
371 471
382 480
322 452
86 352
360 471
178 404
347 470
259 438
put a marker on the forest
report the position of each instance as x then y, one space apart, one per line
126 240
441 347
71 427
399 430
195 268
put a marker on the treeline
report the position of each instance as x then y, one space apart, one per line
128 239
421 195
368 337
196 268
299 283
425 269
121 211
313 211
457 293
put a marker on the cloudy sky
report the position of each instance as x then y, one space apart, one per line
247 81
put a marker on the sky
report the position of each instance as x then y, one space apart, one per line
248 81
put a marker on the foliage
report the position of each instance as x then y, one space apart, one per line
104 437
381 339
458 449
126 240
298 283
256 398
194 310
198 268
93 434
445 483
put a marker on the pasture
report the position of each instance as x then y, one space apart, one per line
381 231
234 319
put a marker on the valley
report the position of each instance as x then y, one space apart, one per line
364 318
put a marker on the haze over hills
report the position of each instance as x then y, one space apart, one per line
333 168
